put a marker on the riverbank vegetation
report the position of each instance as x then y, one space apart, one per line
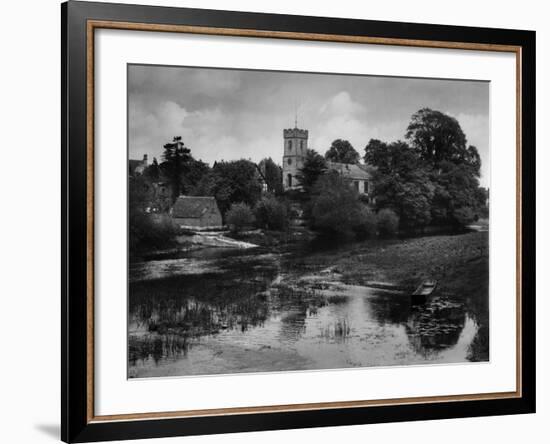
431 179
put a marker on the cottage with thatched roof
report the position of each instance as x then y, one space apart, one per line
196 212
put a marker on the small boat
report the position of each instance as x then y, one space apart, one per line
425 289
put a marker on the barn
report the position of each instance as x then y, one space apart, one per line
196 212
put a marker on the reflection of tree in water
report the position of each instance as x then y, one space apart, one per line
390 308
435 326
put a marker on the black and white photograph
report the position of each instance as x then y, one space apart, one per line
293 221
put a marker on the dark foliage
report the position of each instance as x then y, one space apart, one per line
366 223
152 172
401 181
387 222
432 180
314 166
342 151
239 217
176 158
272 174
271 214
335 206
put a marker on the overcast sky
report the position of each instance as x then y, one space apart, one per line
231 114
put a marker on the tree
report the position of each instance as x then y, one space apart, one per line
438 137
314 166
335 206
457 197
387 221
176 157
272 174
152 172
194 172
453 166
271 214
342 151
235 181
401 182
239 216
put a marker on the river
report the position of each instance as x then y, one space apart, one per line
220 311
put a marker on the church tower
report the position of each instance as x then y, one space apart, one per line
294 153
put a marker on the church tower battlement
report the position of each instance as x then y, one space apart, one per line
294 153
295 133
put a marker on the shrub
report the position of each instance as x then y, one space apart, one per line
387 222
335 205
271 213
239 216
151 231
366 224
463 216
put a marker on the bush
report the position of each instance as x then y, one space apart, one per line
271 214
335 205
387 222
463 216
366 224
239 216
151 231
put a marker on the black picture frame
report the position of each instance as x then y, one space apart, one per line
76 423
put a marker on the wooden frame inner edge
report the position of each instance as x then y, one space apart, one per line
95 24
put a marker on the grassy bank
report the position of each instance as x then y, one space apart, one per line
458 262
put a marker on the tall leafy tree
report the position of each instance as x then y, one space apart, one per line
438 137
272 174
233 182
401 182
342 151
335 206
194 172
456 194
176 158
314 166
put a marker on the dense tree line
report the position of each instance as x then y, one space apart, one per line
433 177
430 178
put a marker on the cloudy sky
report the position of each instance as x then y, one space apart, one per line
231 114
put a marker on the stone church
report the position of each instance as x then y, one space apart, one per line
294 154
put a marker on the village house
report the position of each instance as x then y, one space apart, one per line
137 167
294 154
194 212
358 175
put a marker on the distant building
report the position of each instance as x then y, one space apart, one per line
196 212
359 175
137 167
294 154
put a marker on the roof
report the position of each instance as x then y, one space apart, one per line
352 171
194 206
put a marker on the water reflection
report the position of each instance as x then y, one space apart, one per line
256 313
